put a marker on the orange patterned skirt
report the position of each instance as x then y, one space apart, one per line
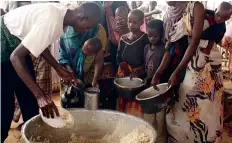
124 105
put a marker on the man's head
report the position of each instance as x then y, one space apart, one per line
92 47
86 16
223 12
135 20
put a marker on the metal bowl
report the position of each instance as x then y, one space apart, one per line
87 123
153 101
128 88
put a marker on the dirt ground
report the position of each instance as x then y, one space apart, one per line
14 134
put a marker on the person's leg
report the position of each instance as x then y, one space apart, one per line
27 101
7 98
17 113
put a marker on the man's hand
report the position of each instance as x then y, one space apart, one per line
47 106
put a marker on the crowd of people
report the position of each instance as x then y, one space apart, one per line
99 41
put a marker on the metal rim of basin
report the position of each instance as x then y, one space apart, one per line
153 96
125 87
154 134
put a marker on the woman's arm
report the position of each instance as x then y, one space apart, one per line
199 15
155 11
66 65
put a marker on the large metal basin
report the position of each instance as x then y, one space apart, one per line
87 123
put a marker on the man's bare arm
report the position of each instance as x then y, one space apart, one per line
18 61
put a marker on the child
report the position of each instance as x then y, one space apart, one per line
153 52
92 46
108 95
130 58
121 14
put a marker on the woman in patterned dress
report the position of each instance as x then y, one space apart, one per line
197 116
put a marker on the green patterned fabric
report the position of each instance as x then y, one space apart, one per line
8 42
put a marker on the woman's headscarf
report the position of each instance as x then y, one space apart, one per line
172 15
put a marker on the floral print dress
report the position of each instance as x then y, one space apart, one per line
197 116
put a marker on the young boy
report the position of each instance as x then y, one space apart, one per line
92 46
121 14
153 54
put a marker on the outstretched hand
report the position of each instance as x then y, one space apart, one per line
67 77
47 106
155 81
95 84
174 80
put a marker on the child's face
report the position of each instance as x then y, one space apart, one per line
108 71
153 36
134 23
221 16
123 13
87 49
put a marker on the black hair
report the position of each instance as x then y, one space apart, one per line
138 13
157 25
96 43
92 10
122 10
